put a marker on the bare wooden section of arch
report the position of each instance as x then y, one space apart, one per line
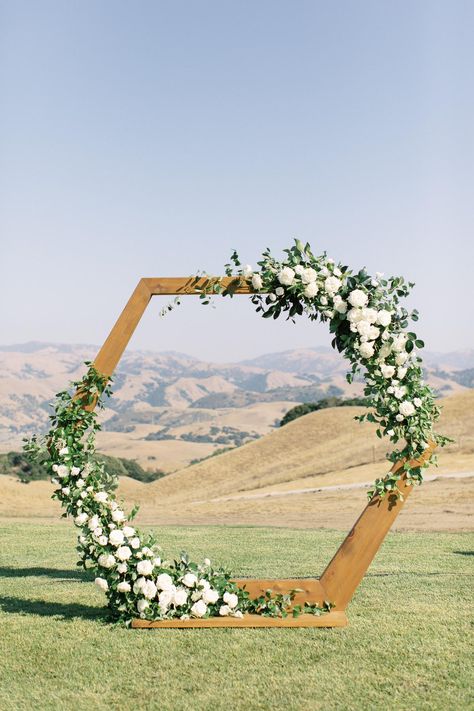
345 571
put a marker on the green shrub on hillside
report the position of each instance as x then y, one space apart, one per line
307 407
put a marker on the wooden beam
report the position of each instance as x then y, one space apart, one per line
311 588
331 619
188 286
349 565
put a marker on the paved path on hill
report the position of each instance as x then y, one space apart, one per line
334 487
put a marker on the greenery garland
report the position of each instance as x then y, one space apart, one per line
368 326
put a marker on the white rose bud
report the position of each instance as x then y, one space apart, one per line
102 540
75 471
417 402
207 561
224 610
279 291
64 451
247 270
80 483
66 490
81 519
257 282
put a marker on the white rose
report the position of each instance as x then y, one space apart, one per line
122 567
98 531
81 519
150 589
224 610
75 471
399 418
231 599
355 315
80 483
180 597
189 580
340 306
165 598
286 276
157 562
116 537
164 581
390 433
398 343
247 270
94 522
332 284
272 297
62 471
311 290
279 291
384 318
199 609
84 495
406 408
324 271
417 402
239 614
102 584
366 350
358 298
374 333
337 272
66 490
388 371
64 451
145 567
369 315
138 586
308 275
102 540
299 269
123 553
364 328
135 542
401 372
118 515
400 392
142 605
401 358
210 596
257 282
128 531
385 351
106 560
100 497
124 587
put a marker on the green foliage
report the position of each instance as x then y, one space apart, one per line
307 407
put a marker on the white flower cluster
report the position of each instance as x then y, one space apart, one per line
130 572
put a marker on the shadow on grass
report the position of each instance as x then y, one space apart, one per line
79 574
66 611
469 553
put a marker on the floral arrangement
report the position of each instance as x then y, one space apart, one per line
368 326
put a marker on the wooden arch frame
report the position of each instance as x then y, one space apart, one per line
345 571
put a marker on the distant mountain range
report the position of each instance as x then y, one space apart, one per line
170 395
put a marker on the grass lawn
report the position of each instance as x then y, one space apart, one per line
407 646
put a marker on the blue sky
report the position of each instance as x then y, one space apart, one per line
151 138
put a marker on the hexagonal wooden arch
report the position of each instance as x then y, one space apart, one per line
345 571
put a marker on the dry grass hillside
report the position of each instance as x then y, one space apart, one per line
310 473
322 448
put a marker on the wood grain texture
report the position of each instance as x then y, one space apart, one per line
331 619
311 588
350 563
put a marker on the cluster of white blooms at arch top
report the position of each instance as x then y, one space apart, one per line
127 564
369 326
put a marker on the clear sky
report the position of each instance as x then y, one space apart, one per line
150 138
